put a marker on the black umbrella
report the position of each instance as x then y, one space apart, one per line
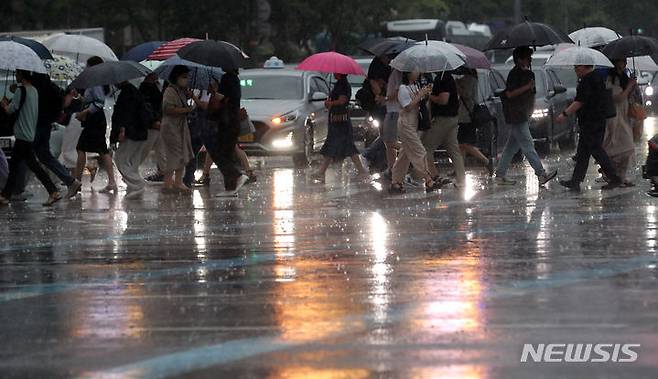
631 46
386 46
112 72
527 34
37 47
214 54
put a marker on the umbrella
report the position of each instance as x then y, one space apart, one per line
36 46
631 46
527 34
331 62
200 75
15 56
109 73
579 56
429 56
78 47
214 53
62 69
169 49
592 37
387 46
643 63
141 52
474 58
151 65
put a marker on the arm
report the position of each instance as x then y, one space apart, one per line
420 96
573 108
521 90
342 100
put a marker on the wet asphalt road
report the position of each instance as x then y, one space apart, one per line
300 280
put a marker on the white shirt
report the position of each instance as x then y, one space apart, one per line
394 82
406 94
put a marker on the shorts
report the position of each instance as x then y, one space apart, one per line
389 131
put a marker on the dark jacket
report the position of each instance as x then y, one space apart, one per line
127 114
152 95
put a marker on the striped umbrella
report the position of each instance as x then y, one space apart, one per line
169 49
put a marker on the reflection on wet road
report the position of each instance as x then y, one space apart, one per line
300 280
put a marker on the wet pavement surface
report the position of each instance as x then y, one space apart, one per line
338 280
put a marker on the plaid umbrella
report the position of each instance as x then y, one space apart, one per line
169 49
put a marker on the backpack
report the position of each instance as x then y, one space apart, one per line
147 116
366 98
7 120
51 99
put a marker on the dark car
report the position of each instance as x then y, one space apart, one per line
556 89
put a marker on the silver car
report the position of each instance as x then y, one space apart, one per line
287 109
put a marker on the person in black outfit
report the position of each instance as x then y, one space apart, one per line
152 95
590 108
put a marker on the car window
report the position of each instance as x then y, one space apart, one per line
274 87
540 82
484 86
567 77
319 85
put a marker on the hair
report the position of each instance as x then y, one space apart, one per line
405 78
26 75
521 53
93 61
176 72
616 76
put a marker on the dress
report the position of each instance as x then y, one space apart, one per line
618 141
93 137
175 133
340 136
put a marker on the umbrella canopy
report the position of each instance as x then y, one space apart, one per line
474 58
331 62
110 73
593 37
429 56
62 69
579 56
36 46
15 56
214 53
78 47
151 65
527 34
631 46
387 46
169 49
200 75
141 51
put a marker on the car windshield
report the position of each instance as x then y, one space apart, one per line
357 80
274 87
567 77
539 79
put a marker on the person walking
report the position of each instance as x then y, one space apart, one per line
412 151
25 103
51 104
152 95
174 131
518 104
340 137
467 133
590 105
618 141
130 130
94 128
444 127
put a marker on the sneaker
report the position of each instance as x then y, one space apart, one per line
202 182
503 181
408 180
547 177
155 178
73 189
240 182
52 199
612 185
571 185
134 194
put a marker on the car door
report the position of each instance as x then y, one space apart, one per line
321 115
558 103
497 83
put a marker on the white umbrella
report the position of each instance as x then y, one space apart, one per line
79 47
595 36
643 63
579 56
14 56
429 56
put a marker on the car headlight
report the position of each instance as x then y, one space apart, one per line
648 91
283 143
540 113
285 118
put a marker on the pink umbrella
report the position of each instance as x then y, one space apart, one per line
331 62
474 58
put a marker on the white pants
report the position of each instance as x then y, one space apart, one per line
128 157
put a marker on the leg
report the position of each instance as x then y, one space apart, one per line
601 157
452 146
207 165
511 148
80 164
527 145
474 152
35 167
431 140
42 150
390 137
582 158
242 157
106 160
359 165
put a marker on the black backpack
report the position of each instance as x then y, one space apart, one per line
51 99
7 120
147 116
366 98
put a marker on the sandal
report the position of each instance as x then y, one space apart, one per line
52 199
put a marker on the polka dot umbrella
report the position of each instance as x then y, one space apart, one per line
62 70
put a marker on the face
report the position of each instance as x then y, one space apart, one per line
339 76
413 76
183 80
19 76
580 71
620 64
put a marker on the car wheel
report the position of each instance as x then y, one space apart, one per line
303 159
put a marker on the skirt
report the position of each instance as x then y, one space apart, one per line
93 136
340 141
467 134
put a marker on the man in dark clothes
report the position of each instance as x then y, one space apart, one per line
589 105
152 94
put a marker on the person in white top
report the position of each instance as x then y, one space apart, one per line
412 151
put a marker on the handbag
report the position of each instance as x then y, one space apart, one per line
246 126
637 111
424 119
479 115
